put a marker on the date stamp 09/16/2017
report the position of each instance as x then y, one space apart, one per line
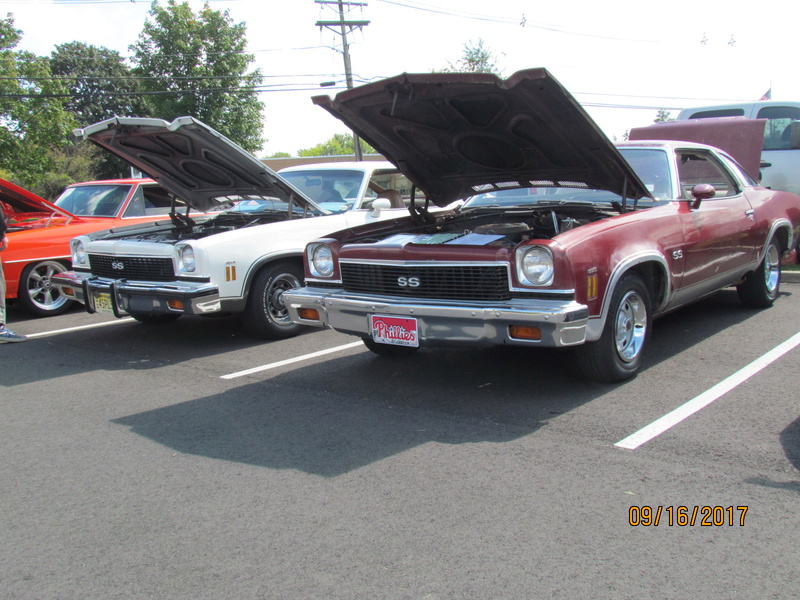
687 516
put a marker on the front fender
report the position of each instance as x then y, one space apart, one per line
654 265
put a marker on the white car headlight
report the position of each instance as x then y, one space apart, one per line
78 253
321 260
535 266
186 259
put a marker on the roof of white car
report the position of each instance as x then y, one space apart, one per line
366 165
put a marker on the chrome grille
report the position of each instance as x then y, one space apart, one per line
137 268
468 282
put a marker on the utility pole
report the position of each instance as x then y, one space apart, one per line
343 27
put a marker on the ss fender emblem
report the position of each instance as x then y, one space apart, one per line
118 265
677 254
408 282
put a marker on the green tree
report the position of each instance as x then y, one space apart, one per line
195 64
663 116
339 144
31 110
77 161
100 84
477 58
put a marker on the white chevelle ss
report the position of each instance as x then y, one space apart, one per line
243 256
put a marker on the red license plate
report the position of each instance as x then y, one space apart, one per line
397 331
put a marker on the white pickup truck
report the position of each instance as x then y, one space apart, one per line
780 157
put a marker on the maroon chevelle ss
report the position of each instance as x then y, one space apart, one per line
564 239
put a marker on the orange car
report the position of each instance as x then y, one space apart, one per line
39 231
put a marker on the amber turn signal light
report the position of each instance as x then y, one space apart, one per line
525 332
175 304
309 314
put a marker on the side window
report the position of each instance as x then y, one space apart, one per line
157 200
720 112
697 166
382 180
136 206
776 132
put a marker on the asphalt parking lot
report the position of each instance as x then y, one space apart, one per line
190 461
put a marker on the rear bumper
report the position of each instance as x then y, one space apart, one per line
122 297
560 323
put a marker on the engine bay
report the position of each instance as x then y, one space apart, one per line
185 228
497 228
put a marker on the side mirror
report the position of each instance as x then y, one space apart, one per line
378 205
702 191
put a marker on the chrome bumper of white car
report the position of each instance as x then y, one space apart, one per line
560 323
121 297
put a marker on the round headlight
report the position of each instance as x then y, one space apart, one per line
78 253
187 259
536 266
322 260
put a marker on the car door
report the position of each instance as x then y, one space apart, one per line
719 234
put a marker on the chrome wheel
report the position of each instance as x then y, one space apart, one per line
631 326
772 270
37 294
761 287
619 352
266 314
274 303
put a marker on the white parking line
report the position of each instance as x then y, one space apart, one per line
92 326
671 419
289 361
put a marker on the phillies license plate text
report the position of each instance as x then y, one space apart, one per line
394 330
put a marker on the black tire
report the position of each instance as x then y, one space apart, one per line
761 287
388 350
148 319
266 315
617 355
36 294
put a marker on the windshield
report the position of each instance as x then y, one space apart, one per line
265 204
334 190
651 165
94 200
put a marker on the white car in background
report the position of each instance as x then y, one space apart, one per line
240 260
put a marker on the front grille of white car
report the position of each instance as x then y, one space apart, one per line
137 268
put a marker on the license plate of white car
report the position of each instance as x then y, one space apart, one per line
398 331
102 302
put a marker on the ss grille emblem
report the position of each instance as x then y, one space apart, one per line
118 265
408 282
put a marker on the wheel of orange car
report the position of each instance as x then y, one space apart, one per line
617 355
148 319
37 295
388 350
265 315
760 288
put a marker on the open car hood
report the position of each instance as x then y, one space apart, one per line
458 134
19 202
189 159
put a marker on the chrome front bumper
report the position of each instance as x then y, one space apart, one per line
121 297
562 323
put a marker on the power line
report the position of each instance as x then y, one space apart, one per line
521 21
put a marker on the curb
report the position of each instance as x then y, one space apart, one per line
790 276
